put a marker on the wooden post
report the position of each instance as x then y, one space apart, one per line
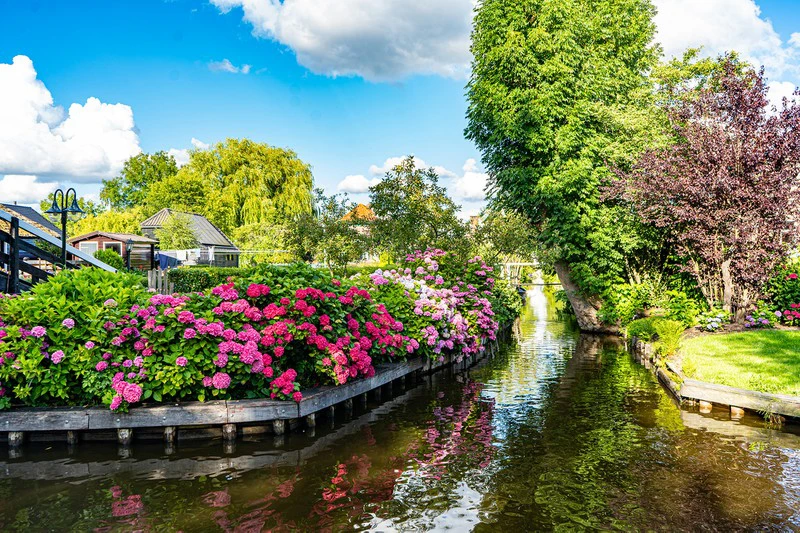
705 407
311 420
348 407
125 436
13 262
279 427
362 400
376 394
72 438
15 438
170 434
229 432
152 257
737 413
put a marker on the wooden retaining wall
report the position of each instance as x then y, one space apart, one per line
205 419
691 391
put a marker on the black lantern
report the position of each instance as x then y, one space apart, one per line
62 206
128 249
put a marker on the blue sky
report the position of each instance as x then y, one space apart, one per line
326 78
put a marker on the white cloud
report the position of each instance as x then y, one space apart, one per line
181 155
226 66
357 184
778 90
472 184
794 39
379 40
88 143
467 188
200 145
722 25
393 162
24 189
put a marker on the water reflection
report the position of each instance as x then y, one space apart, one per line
558 431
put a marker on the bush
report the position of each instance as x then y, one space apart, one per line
87 337
681 307
61 319
783 289
643 328
200 279
713 320
111 258
763 316
668 333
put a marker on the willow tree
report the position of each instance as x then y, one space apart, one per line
559 92
238 183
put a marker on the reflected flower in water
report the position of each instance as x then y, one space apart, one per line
218 498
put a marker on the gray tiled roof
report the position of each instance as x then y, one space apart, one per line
205 232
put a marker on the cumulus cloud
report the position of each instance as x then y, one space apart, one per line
181 155
385 40
393 162
472 184
226 66
356 184
468 187
722 25
87 143
24 189
778 90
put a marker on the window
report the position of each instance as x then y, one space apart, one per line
116 246
88 247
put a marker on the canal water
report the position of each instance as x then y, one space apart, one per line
557 431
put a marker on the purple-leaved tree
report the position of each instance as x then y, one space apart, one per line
727 186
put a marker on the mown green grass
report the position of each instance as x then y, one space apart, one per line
763 360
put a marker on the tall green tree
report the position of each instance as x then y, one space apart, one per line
176 233
139 173
240 182
113 221
414 212
559 92
326 235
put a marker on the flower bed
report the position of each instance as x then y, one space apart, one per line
89 337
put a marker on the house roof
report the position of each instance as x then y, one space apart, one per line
121 237
204 230
31 216
360 213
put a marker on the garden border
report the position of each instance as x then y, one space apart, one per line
708 394
280 414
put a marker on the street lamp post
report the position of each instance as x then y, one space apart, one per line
64 208
128 249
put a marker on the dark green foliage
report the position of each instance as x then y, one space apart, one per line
559 91
111 258
643 328
200 279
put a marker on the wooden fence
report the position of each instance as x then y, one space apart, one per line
158 281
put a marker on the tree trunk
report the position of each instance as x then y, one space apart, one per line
727 287
585 307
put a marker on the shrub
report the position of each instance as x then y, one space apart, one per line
713 320
668 333
763 316
50 331
200 279
111 258
89 336
681 307
643 328
783 289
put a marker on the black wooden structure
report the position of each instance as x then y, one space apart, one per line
18 253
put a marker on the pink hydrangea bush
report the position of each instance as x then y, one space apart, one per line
271 334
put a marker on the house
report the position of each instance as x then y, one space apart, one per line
361 216
214 247
142 253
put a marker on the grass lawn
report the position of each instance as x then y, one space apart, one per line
761 360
